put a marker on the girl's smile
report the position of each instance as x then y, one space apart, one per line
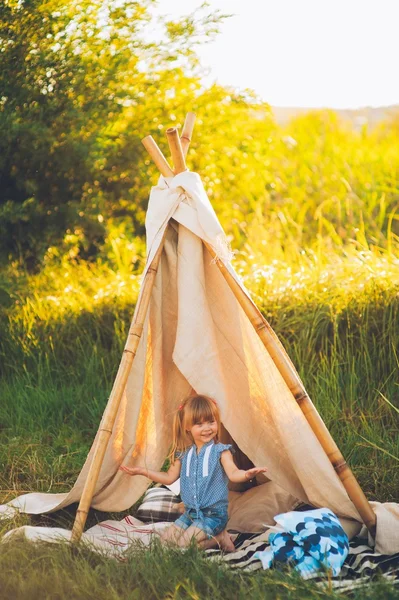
204 432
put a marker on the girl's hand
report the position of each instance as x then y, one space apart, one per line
251 473
132 470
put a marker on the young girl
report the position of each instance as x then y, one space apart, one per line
204 467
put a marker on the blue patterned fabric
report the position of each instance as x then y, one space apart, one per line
311 541
203 482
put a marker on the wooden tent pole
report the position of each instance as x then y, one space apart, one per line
187 132
153 150
176 150
129 352
287 370
108 420
291 378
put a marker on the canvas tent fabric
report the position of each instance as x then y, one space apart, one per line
197 338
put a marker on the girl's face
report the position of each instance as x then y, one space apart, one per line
204 432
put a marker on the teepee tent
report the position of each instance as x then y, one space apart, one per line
195 328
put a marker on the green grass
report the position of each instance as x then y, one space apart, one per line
341 328
60 352
49 572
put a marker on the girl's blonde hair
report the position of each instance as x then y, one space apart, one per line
193 410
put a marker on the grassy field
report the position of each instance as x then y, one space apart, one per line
320 255
49 573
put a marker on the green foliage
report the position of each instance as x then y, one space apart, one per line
78 81
82 83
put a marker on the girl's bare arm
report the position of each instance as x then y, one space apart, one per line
233 473
171 476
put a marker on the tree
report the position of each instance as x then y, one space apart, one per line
78 83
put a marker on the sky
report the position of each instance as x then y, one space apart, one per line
310 53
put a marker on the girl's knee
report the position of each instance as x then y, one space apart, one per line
172 534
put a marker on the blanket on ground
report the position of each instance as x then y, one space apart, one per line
114 538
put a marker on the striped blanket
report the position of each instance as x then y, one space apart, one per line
360 566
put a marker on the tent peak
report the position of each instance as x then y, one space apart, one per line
178 147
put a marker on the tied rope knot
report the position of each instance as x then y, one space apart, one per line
188 189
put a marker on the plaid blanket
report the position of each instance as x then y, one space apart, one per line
159 505
360 566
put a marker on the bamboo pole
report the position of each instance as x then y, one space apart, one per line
129 352
291 378
152 148
176 150
187 132
108 420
